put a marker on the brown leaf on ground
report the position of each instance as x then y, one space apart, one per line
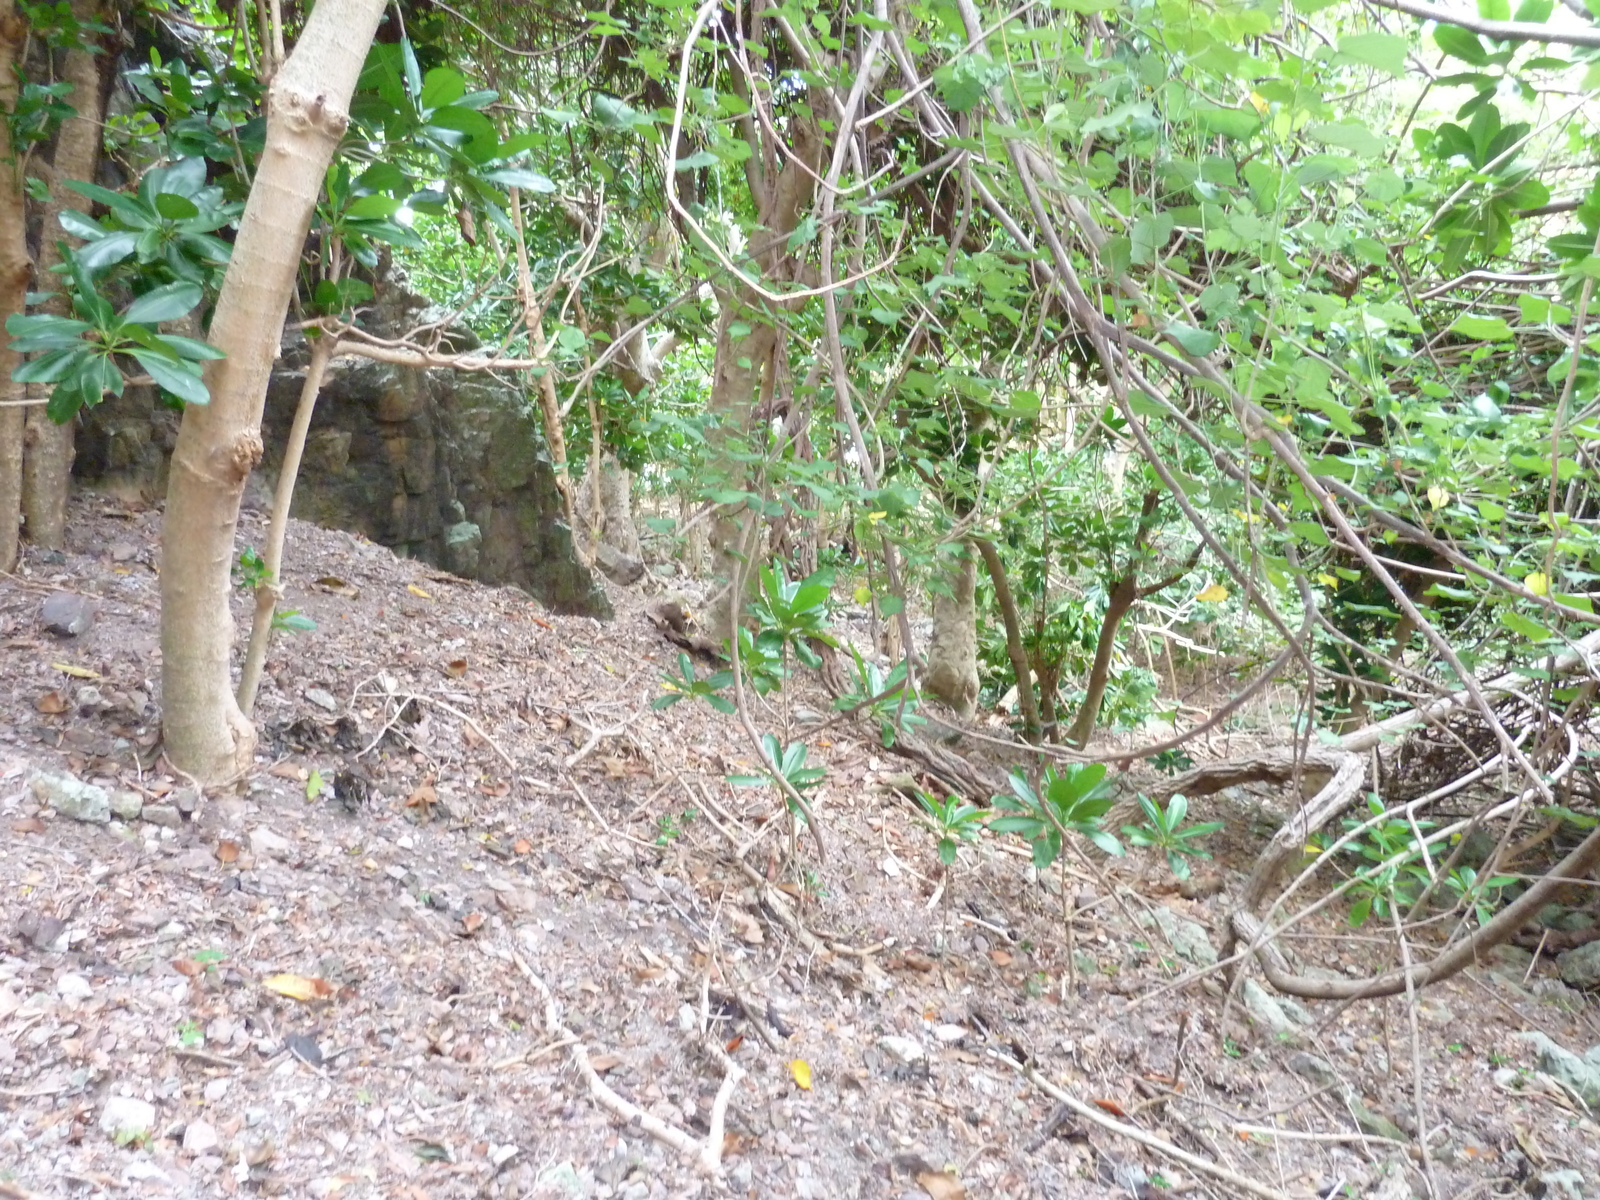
604 1062
51 704
942 1185
298 987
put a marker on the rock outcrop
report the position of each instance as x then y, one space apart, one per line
440 465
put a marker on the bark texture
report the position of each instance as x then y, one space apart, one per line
15 267
47 461
220 442
952 674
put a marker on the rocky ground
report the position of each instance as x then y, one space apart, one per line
478 896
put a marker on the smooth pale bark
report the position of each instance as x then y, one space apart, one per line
220 443
15 268
47 461
952 672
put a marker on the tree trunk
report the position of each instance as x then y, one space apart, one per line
612 521
747 337
270 590
47 463
952 673
1014 650
15 268
1123 595
220 442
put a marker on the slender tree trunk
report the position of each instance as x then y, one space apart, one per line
1013 623
747 337
47 463
1123 596
219 443
952 674
270 590
15 268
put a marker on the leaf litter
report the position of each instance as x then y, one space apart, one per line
303 995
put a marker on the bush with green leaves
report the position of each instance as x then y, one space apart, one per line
1163 829
1070 802
687 685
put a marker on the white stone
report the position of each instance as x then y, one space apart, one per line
200 1138
950 1034
902 1049
128 1116
74 987
266 844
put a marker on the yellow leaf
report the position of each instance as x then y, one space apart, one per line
1259 103
1437 497
1212 593
801 1070
416 591
297 987
876 517
76 672
863 595
1537 583
1327 580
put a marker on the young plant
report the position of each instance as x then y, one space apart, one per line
1482 896
687 685
1068 804
892 705
952 821
1162 829
1385 883
789 615
789 762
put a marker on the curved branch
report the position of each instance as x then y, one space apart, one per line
1500 31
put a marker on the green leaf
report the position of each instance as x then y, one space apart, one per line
1523 626
442 86
174 377
1485 329
52 367
175 207
166 303
1196 343
376 206
44 332
1348 135
525 178
702 158
1460 43
1383 51
189 348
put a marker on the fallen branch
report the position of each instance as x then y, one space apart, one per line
1148 1140
707 1155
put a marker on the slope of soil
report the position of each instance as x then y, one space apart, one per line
322 982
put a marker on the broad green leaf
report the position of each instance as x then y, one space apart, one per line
1487 329
1382 51
1195 342
175 207
697 160
166 303
174 377
375 206
1348 135
1460 43
442 86
525 178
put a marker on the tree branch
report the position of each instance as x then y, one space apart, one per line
1500 31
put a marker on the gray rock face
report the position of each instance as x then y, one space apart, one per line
72 797
1582 1075
440 465
1580 968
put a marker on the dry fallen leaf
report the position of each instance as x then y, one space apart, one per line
227 851
27 825
289 771
522 846
1000 958
51 703
298 987
1212 593
187 967
416 591
424 796
605 1062
1111 1106
733 1043
942 1185
801 1070
494 787
76 672
472 922
456 668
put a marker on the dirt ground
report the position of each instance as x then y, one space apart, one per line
325 981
